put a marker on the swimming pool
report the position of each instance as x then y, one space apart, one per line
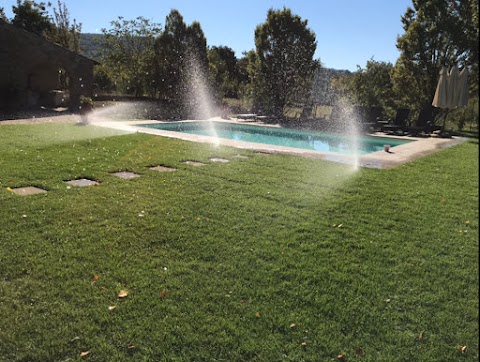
307 140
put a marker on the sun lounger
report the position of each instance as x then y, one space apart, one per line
398 124
247 116
424 123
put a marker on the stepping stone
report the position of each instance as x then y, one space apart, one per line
194 163
29 190
82 182
163 169
217 159
125 174
240 156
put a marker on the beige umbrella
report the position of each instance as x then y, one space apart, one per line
440 100
460 89
452 90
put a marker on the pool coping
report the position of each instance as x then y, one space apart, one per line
383 160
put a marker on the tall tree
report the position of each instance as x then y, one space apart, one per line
285 47
223 68
129 54
64 32
32 17
437 33
3 16
179 50
372 86
170 54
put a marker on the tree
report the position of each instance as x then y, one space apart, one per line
247 70
170 53
372 86
35 18
285 49
129 54
65 33
2 15
180 51
32 17
223 69
437 33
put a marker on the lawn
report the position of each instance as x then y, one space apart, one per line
265 258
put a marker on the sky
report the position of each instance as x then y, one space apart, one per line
349 32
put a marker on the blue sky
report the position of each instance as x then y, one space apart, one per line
349 32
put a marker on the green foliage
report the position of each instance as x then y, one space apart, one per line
268 258
65 33
329 85
129 54
32 17
179 50
170 55
247 71
285 47
371 86
3 16
223 70
86 101
465 118
103 81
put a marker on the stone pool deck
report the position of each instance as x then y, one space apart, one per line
399 155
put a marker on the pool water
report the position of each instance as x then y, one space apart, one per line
308 140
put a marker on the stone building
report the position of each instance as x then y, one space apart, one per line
30 68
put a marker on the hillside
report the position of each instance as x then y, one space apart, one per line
91 45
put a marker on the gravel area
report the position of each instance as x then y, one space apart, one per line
38 117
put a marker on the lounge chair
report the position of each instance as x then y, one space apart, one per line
424 122
398 124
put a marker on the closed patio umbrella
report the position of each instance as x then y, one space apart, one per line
452 90
440 100
460 87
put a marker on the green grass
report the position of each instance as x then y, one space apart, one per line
270 258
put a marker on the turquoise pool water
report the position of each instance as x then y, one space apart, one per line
307 140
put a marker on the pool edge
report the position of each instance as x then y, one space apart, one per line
399 155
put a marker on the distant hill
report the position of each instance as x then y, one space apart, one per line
91 45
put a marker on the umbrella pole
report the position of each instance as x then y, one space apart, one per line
444 120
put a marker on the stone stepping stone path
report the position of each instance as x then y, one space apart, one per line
126 174
163 169
29 190
219 160
194 163
83 182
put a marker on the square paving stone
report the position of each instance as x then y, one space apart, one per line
82 182
126 174
163 169
29 190
218 159
194 163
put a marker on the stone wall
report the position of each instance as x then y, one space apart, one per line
29 67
